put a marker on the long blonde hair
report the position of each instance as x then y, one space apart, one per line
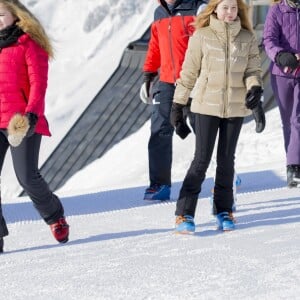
29 24
202 20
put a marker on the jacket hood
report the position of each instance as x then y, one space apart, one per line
285 8
293 3
165 5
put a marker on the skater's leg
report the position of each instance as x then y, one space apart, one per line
25 162
3 149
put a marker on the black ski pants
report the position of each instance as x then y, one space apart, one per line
160 142
25 162
207 128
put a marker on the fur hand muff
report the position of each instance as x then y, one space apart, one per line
17 129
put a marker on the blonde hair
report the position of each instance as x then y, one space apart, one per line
202 20
29 24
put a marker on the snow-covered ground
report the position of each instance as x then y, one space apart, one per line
122 247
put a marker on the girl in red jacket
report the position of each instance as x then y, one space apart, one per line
24 53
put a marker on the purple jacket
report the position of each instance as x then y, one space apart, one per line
281 33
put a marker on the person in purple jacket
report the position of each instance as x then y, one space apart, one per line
281 39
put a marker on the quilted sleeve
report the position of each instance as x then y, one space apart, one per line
37 67
271 33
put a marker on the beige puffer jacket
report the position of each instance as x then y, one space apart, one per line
222 62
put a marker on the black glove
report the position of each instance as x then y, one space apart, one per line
32 118
253 96
146 87
176 114
287 59
259 117
187 114
178 121
182 129
148 78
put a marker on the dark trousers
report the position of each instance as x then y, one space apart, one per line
287 95
25 163
160 142
3 227
206 129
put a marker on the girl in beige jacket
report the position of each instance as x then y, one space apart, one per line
222 62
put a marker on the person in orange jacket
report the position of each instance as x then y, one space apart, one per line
170 33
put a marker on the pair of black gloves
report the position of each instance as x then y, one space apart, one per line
178 117
253 102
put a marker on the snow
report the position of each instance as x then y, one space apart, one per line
122 247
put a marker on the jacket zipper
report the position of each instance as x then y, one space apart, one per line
227 62
171 49
297 27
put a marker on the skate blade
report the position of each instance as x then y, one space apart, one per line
156 200
225 230
185 232
220 228
294 184
228 229
64 241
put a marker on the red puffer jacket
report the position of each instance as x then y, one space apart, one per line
170 33
23 82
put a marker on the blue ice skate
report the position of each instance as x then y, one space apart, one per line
157 192
185 225
225 221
